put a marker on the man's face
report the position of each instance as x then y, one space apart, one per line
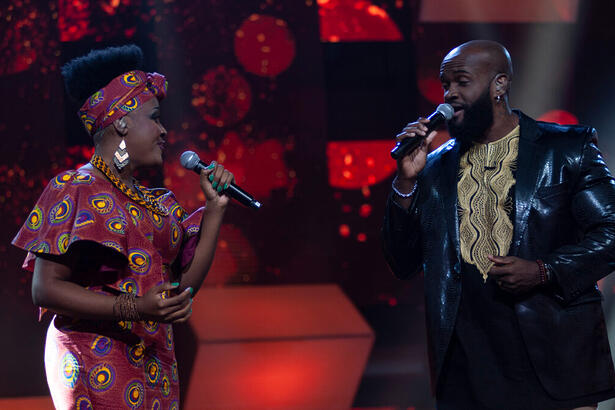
475 120
467 88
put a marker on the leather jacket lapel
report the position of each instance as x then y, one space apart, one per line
529 167
448 187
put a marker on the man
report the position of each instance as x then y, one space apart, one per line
512 222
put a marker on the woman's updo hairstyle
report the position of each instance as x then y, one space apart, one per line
85 75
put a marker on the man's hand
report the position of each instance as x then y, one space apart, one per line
514 275
409 166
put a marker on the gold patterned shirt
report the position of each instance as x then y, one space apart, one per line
486 175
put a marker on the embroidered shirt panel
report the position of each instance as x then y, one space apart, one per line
486 175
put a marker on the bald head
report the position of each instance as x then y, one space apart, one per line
490 57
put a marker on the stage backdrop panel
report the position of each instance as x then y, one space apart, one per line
277 347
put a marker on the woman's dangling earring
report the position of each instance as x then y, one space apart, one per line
498 98
121 158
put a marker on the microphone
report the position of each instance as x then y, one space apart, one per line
190 160
444 112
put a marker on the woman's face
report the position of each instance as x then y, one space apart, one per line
145 136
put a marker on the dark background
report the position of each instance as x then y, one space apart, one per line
306 126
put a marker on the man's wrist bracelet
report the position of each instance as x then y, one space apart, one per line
544 274
549 271
401 194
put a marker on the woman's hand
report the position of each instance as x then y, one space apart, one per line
214 180
153 305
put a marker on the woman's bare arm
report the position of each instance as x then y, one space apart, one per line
53 289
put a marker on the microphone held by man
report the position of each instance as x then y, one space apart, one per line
443 113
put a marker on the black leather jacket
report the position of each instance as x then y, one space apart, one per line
564 215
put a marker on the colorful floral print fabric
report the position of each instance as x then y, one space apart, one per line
105 364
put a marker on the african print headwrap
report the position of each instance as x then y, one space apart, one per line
123 94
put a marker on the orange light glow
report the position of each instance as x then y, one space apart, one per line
277 347
355 20
560 117
377 11
31 403
279 382
355 164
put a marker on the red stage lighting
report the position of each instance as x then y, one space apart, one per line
235 261
429 84
365 210
356 164
73 19
344 230
25 36
223 96
355 20
560 117
259 167
264 45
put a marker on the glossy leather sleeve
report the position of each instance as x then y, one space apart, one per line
401 238
577 267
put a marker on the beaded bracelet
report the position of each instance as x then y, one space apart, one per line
542 272
399 193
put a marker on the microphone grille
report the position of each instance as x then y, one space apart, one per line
189 159
446 110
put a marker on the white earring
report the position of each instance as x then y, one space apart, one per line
121 157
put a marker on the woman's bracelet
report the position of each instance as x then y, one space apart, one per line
399 193
125 307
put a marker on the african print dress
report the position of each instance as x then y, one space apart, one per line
120 247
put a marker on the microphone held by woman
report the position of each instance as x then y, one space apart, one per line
190 160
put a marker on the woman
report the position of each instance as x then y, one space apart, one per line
116 262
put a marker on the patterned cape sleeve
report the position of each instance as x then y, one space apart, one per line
191 226
70 209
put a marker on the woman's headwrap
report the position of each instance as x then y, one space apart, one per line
123 94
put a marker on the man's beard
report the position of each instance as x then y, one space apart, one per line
477 118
